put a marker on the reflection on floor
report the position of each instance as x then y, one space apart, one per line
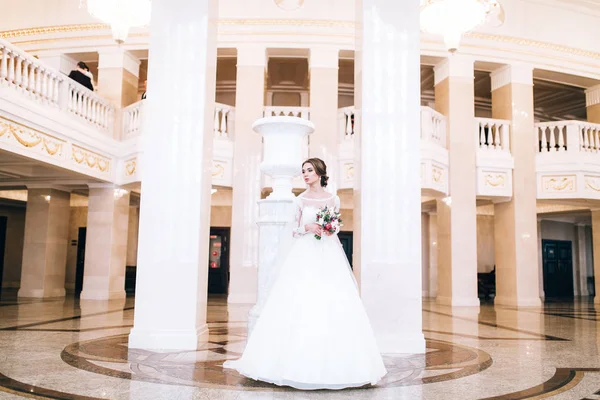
64 349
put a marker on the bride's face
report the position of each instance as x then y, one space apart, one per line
309 174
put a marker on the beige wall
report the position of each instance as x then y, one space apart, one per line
13 254
132 236
485 243
220 216
78 219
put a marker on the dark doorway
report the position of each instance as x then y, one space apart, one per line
218 261
347 239
558 268
80 261
3 224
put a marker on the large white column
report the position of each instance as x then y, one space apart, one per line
45 243
106 243
387 205
118 76
582 268
324 66
457 214
172 274
515 221
249 101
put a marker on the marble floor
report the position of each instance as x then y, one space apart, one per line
66 349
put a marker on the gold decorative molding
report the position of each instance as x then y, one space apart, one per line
559 184
30 138
130 167
90 159
593 182
46 30
334 24
349 170
218 171
436 174
495 180
533 43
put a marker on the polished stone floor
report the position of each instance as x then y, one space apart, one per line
64 349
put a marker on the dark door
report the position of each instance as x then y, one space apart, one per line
346 239
3 223
218 261
80 260
558 268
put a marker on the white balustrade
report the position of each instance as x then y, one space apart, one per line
48 86
346 123
89 106
132 119
568 137
300 112
224 117
433 126
28 75
492 134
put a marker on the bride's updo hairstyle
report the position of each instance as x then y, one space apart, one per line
320 169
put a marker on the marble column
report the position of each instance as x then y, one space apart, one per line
387 207
457 214
61 62
106 243
249 104
515 221
582 268
433 255
323 64
595 252
118 76
46 240
592 101
172 274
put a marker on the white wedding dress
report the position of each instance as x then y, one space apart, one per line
313 331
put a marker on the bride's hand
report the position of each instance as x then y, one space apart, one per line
314 228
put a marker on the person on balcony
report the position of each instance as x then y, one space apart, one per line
145 89
82 75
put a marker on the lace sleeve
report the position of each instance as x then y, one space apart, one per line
299 229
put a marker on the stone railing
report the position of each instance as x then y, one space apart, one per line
568 137
346 123
132 120
47 86
433 126
493 134
273 111
224 117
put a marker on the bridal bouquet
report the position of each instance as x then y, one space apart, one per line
329 219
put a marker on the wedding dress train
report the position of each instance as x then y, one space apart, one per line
313 331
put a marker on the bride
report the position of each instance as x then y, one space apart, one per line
313 332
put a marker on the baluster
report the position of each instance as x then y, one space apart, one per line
32 79
4 64
561 139
594 133
216 121
224 114
38 81
56 97
44 85
25 75
18 72
11 68
349 128
552 139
